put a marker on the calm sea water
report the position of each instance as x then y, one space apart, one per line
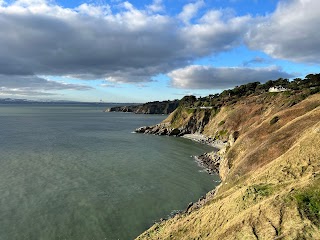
74 172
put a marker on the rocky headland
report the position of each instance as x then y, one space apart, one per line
157 107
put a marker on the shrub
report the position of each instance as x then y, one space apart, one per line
223 132
263 189
221 123
258 192
315 90
190 110
274 120
309 204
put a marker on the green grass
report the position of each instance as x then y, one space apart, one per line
258 191
309 204
221 123
288 93
190 110
223 132
262 189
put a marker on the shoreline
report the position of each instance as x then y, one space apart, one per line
200 138
210 162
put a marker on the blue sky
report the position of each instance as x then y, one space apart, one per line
138 51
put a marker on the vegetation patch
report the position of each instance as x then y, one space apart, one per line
315 90
190 110
309 204
176 115
214 112
298 90
258 191
223 132
263 189
274 120
221 123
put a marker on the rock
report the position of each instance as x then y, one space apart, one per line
174 132
142 129
162 131
210 161
189 206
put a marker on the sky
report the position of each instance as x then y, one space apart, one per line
147 50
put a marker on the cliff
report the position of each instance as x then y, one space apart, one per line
270 168
164 107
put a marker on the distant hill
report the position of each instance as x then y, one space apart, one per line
164 107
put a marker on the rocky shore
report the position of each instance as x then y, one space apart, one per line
201 202
205 140
209 161
161 129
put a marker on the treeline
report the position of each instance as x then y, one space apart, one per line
302 88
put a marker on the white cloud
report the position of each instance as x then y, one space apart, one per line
291 32
92 10
91 42
190 10
156 6
25 93
215 33
39 37
33 85
205 77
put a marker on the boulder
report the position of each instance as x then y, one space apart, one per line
174 132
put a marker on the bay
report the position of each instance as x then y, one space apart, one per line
75 172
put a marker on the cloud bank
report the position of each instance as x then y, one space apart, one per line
204 77
291 32
29 85
123 44
91 42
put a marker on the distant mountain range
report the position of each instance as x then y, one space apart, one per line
28 101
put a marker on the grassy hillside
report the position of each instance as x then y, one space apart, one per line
270 172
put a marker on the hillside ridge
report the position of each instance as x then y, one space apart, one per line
269 167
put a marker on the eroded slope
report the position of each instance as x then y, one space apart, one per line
271 175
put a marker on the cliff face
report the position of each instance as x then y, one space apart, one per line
165 107
270 171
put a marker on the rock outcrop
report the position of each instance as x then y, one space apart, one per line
161 129
210 161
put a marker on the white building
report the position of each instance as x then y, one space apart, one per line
278 89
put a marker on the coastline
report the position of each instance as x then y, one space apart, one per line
197 137
264 175
209 161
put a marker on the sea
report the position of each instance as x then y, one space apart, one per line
72 172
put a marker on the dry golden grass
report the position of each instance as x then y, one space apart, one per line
270 165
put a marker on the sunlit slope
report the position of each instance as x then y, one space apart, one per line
271 175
